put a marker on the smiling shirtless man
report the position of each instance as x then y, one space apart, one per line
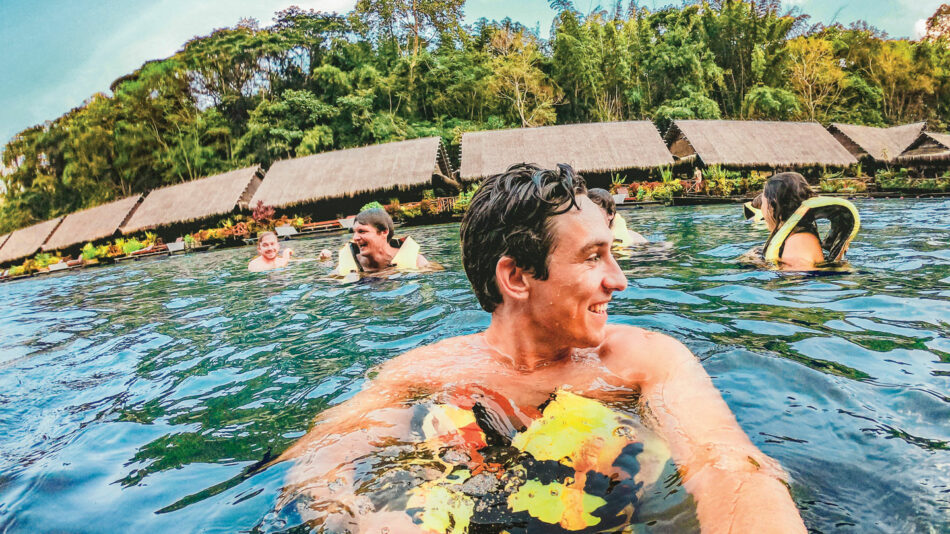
537 253
269 255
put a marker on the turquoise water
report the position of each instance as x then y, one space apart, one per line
135 396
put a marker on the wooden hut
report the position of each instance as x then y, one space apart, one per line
928 148
883 145
347 173
26 242
756 144
589 148
92 224
195 200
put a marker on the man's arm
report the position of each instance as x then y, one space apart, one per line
737 488
326 460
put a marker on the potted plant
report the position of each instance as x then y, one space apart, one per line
618 188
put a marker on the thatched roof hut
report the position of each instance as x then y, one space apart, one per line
3 239
756 144
195 200
879 144
27 241
591 148
92 224
349 172
928 146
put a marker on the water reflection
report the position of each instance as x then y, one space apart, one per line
153 386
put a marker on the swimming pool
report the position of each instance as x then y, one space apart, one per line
134 396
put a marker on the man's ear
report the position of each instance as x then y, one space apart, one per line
512 280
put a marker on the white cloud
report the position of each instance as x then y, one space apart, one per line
920 28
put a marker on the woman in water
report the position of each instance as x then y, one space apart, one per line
783 195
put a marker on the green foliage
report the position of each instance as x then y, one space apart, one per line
89 252
372 205
666 174
400 69
464 199
131 245
900 180
769 103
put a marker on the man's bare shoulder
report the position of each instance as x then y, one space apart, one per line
429 359
641 353
625 336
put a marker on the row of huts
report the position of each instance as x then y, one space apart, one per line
319 180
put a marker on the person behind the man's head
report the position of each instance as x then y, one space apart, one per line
623 236
374 247
533 402
269 254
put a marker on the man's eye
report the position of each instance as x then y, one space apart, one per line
593 258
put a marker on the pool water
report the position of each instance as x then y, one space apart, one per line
137 396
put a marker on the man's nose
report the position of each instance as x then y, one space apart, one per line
614 279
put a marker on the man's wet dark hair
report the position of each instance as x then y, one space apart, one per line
785 192
603 199
510 215
379 219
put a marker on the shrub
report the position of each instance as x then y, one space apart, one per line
89 252
131 246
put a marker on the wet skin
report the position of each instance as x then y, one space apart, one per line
547 335
802 251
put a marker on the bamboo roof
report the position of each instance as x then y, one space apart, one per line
27 241
757 143
881 144
349 172
928 146
194 200
3 239
92 224
593 147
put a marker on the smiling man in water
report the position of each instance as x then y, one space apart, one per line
373 247
520 425
269 255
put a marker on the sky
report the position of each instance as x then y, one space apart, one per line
54 54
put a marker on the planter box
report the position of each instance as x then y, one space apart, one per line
61 266
619 198
177 246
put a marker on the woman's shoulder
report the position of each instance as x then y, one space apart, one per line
803 246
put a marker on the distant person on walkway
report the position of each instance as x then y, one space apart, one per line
269 254
697 185
790 209
623 236
373 247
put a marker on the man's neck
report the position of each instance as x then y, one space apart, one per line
380 258
529 347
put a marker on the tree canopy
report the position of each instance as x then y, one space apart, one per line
399 69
